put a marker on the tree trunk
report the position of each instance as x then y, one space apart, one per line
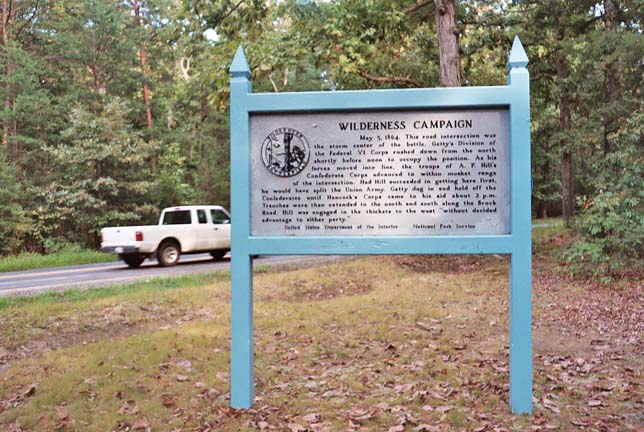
611 83
565 122
97 85
146 91
611 15
16 147
448 47
567 187
8 70
567 191
546 180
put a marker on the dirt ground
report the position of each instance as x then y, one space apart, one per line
383 343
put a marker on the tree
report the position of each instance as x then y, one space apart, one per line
7 21
14 223
375 44
552 29
611 22
611 224
565 124
102 178
94 46
144 71
158 71
448 46
16 17
171 185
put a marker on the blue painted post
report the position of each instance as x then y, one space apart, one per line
241 271
521 257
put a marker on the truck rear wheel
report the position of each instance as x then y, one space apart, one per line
132 259
168 254
218 254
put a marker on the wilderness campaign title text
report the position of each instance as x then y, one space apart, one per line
396 125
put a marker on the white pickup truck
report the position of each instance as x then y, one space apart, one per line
181 230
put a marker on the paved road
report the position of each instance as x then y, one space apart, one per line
92 275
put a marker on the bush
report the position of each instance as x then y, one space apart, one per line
611 223
61 245
611 228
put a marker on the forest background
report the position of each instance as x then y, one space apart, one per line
113 109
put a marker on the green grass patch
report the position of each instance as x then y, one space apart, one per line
87 294
547 221
30 261
549 236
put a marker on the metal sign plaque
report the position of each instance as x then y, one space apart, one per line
383 173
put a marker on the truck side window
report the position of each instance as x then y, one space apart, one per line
179 217
201 215
219 217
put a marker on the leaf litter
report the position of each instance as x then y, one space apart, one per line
396 344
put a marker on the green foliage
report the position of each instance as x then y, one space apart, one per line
61 256
172 187
612 239
95 42
611 225
80 155
13 221
373 44
102 178
30 107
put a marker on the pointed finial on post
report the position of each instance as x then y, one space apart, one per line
518 57
239 67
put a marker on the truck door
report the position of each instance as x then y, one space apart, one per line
206 236
221 226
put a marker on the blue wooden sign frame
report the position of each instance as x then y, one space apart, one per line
515 96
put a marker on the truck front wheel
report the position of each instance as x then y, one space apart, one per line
168 254
133 260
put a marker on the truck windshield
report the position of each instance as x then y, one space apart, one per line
180 217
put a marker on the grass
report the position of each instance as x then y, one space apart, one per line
551 221
148 286
30 261
366 344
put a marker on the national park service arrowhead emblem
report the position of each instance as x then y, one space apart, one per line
285 152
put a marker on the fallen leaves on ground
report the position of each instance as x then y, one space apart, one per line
394 344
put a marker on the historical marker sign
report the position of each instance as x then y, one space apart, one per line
415 171
380 173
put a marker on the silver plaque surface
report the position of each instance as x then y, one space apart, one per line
383 173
